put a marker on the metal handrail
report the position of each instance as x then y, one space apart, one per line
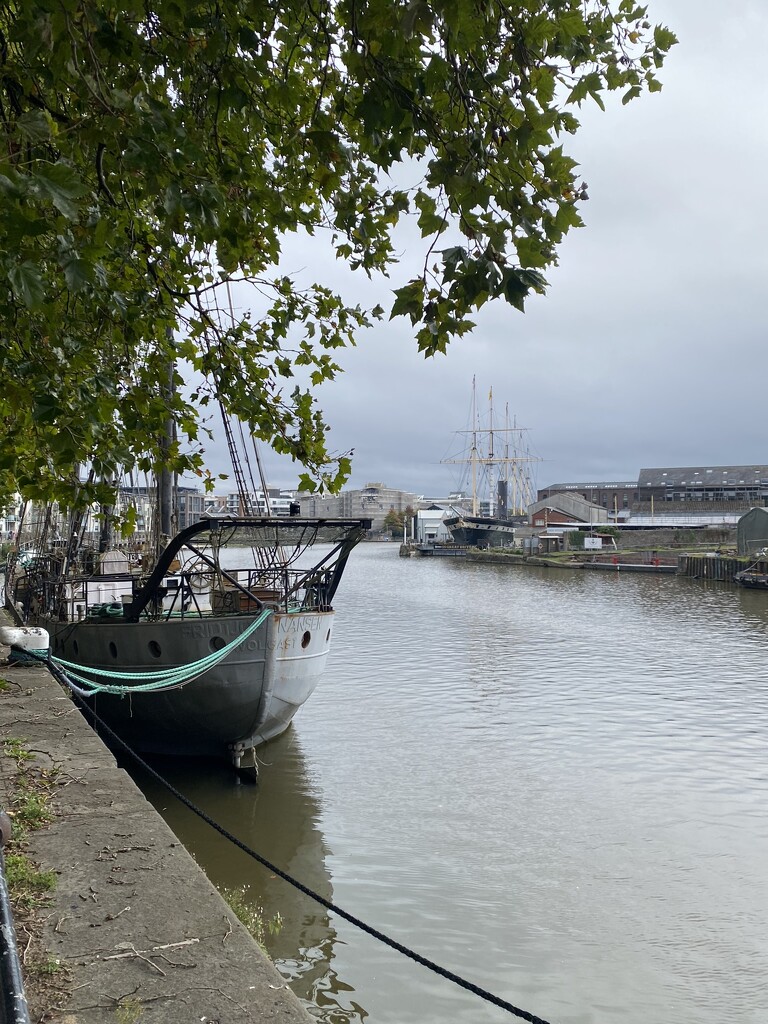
300 586
13 1004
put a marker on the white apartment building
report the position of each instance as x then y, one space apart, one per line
274 503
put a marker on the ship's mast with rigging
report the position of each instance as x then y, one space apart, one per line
491 461
474 454
248 448
500 469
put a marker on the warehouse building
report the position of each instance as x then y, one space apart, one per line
675 489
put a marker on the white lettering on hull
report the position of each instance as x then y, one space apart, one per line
297 624
206 630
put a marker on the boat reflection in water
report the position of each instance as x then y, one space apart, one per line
279 819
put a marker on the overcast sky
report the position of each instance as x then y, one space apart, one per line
648 348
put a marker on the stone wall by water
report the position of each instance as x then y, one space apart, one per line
678 537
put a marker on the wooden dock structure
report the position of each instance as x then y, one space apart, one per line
715 567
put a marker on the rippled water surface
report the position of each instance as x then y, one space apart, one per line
553 783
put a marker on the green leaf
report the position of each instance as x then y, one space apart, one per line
62 186
571 24
515 289
47 409
579 92
34 126
27 283
664 38
532 252
79 274
409 300
453 258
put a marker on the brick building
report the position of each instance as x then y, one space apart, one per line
565 510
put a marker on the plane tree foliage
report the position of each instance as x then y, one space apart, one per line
154 153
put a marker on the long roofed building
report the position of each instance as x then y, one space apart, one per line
746 485
675 488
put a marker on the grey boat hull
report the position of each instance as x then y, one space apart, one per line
245 700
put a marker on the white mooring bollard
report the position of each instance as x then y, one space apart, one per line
23 639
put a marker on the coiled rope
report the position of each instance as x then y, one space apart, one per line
469 986
162 679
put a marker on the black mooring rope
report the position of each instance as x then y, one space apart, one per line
489 997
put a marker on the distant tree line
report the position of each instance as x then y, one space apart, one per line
395 520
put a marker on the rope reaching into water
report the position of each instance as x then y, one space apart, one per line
469 986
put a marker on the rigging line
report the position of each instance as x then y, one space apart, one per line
254 444
244 494
251 477
392 943
242 433
226 422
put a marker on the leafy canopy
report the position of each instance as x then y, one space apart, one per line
156 151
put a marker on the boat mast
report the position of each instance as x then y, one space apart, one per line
246 485
106 539
473 453
511 462
165 480
491 463
502 484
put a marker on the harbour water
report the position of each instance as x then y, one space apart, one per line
553 783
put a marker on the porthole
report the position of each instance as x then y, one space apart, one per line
306 638
113 648
154 649
217 643
328 636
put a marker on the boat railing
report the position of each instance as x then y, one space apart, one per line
187 593
252 589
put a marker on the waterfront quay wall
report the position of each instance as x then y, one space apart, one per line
675 537
709 566
138 930
716 567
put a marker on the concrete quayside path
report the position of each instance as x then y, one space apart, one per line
143 933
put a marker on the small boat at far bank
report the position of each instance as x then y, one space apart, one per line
755 576
752 579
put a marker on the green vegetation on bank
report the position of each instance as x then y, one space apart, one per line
30 889
30 809
252 916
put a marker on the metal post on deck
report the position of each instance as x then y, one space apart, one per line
13 1001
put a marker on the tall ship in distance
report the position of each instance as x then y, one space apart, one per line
497 461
